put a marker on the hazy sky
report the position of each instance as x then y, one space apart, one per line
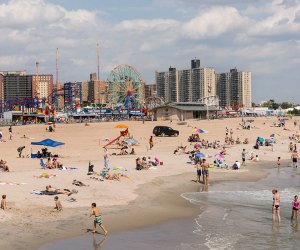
261 36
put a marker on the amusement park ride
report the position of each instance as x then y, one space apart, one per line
124 90
125 86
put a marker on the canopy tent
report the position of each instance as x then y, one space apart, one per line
48 143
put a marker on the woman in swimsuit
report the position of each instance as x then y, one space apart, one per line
276 206
295 208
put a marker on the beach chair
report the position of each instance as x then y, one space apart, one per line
42 163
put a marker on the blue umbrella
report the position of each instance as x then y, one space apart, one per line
131 140
200 155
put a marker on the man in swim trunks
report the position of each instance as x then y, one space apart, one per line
244 157
98 220
295 158
198 167
205 166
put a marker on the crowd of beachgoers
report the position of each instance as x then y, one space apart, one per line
202 153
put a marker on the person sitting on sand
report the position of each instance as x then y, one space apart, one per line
223 151
138 164
236 165
144 163
58 205
98 219
4 166
49 164
246 141
132 152
238 141
256 159
3 202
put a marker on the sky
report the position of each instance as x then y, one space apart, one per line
261 36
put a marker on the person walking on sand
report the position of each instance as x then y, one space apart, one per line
105 158
205 173
276 205
10 133
295 158
278 163
244 157
151 142
98 219
295 208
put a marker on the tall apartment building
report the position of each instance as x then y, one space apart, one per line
186 85
96 90
234 89
85 91
162 85
45 86
72 95
17 87
150 90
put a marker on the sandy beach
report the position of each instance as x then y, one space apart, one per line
139 199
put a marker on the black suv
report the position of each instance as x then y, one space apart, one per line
164 130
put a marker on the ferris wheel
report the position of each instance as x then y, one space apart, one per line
126 87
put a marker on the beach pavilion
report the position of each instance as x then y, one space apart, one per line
181 111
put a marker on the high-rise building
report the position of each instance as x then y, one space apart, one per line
150 90
85 91
72 95
162 85
96 90
234 89
45 86
17 87
195 64
186 85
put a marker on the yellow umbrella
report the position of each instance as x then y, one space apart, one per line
121 126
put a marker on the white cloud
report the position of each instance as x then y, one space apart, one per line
20 13
144 25
214 22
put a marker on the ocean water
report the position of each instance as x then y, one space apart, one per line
238 215
232 215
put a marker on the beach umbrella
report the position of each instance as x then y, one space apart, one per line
199 130
121 126
200 155
274 135
219 156
131 140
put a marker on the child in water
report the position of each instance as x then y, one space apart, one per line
278 162
295 208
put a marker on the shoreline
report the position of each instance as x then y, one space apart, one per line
167 207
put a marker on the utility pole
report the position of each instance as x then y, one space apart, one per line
98 75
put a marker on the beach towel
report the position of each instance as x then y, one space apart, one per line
44 192
65 168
